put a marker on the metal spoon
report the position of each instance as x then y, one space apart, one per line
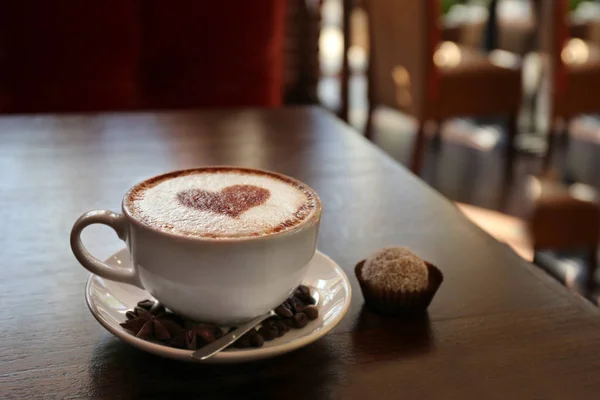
222 343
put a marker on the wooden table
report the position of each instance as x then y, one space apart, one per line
497 329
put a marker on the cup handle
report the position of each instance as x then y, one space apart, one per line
91 263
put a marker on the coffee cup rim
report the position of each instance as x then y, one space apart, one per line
312 220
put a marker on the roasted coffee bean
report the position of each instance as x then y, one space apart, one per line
277 323
139 311
146 304
272 320
303 293
283 311
268 332
173 328
272 325
155 322
179 341
288 304
256 340
134 325
205 333
311 312
190 340
303 289
157 308
310 301
243 342
297 304
301 320
172 317
160 331
281 327
217 332
147 331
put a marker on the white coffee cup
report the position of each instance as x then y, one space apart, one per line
222 281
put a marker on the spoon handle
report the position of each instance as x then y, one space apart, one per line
220 344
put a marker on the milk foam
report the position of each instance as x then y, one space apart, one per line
159 206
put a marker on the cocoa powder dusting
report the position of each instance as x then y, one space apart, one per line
232 201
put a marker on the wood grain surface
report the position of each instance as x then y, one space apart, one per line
498 328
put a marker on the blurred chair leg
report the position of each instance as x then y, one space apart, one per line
592 267
418 153
564 135
345 74
511 131
369 123
490 36
547 163
371 91
437 136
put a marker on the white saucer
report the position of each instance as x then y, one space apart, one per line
108 301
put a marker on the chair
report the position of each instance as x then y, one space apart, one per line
411 71
570 229
572 67
514 32
301 70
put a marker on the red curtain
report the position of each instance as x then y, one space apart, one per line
88 55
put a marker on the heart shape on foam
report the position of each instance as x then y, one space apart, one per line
232 200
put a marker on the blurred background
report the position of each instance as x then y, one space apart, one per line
494 103
541 197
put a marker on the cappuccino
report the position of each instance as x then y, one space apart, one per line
222 202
